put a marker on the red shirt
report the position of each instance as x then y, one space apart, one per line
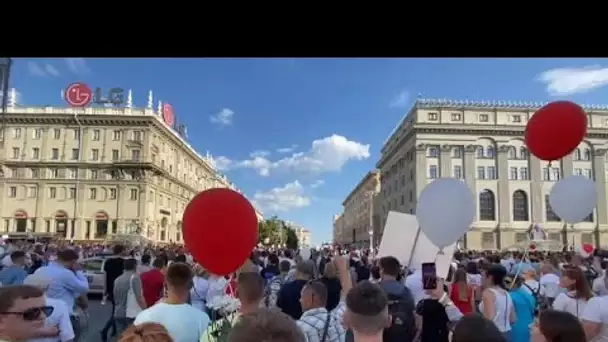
463 305
152 283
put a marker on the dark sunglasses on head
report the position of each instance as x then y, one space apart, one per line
32 314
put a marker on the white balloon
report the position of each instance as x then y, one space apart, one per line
446 209
573 198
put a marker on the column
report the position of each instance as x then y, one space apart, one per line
469 168
567 166
504 196
421 167
41 213
599 171
121 193
537 198
445 161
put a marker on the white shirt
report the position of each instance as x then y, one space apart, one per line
59 318
216 287
184 322
567 302
596 311
503 305
599 286
549 285
532 286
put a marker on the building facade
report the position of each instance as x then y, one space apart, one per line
357 226
89 173
338 229
482 144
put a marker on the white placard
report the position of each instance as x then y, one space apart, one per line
401 236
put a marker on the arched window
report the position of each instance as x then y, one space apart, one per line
550 216
479 152
490 152
520 206
587 154
512 152
577 154
523 153
487 206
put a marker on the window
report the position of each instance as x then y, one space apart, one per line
578 172
487 206
555 237
433 152
76 134
513 173
72 193
75 154
116 135
72 173
587 173
36 133
457 152
53 173
35 153
96 135
112 193
16 133
512 152
577 154
133 195
432 116
12 191
520 206
481 172
92 265
491 172
93 193
587 154
94 174
487 240
55 154
457 173
137 135
484 117
520 237
555 174
490 152
546 174
516 118
15 153
95 154
56 133
115 155
14 173
32 191
52 192
34 173
587 238
479 151
456 116
433 171
135 155
523 153
523 173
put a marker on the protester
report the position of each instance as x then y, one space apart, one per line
476 328
288 299
23 309
462 293
148 332
366 313
184 322
274 285
200 286
128 297
525 309
113 268
559 326
15 273
573 301
332 283
266 325
153 282
496 304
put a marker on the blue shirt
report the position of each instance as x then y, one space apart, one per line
66 285
12 275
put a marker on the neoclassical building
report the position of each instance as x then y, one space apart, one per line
482 143
357 225
90 173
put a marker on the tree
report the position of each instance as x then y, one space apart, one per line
274 231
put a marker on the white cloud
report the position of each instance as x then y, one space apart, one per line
329 154
290 196
401 100
223 118
259 153
569 81
317 183
287 149
77 66
42 70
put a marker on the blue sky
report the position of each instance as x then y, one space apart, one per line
296 135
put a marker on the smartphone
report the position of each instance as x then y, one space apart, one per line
429 276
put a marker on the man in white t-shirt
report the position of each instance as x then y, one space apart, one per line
595 319
184 322
549 283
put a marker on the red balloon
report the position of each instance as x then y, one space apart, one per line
588 248
220 229
532 247
555 130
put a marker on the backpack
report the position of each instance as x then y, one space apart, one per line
403 325
272 290
540 302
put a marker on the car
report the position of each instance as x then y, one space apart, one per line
93 270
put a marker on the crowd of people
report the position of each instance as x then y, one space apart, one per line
161 294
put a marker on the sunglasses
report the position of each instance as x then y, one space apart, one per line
32 314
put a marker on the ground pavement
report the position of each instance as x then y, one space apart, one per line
98 315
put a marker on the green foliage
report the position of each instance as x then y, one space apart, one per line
274 231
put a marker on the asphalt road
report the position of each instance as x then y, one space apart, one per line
98 315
